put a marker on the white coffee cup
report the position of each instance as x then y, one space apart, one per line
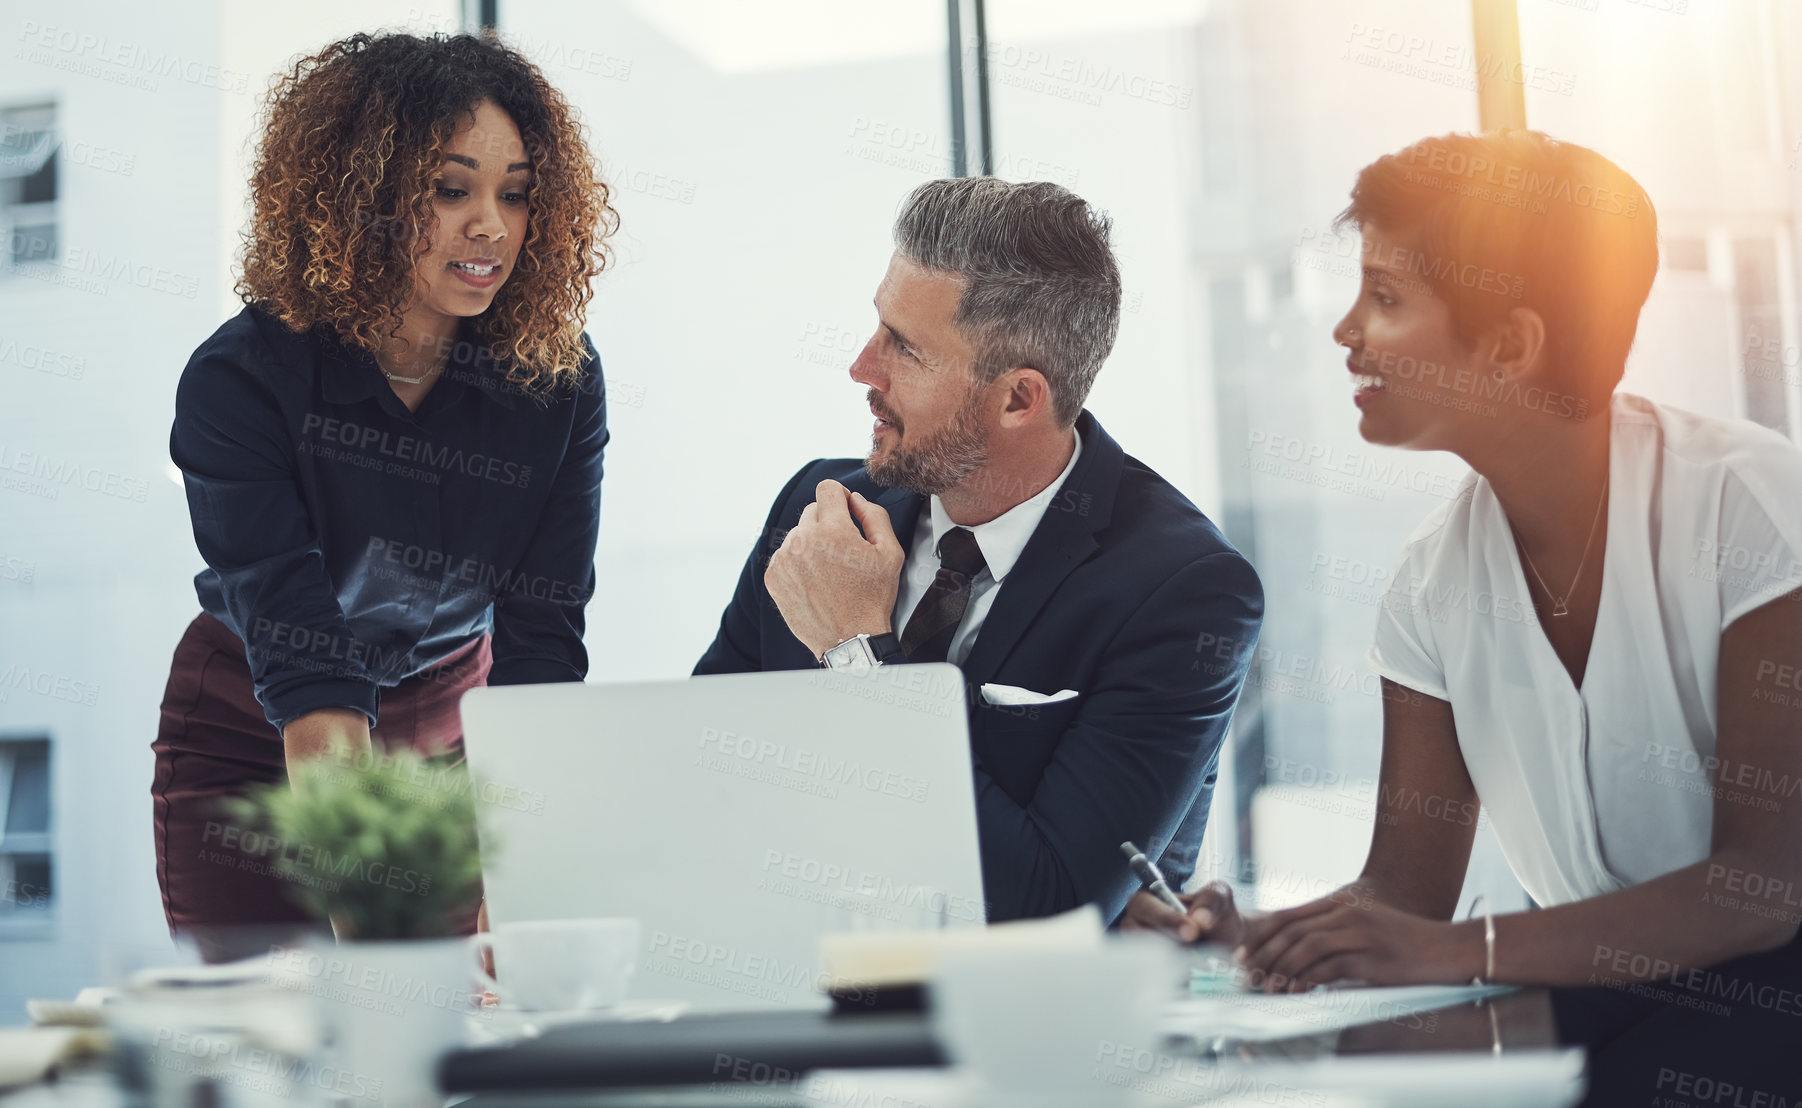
1048 1026
561 965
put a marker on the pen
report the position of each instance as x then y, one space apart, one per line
1147 872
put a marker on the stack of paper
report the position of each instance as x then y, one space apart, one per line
893 958
1255 1017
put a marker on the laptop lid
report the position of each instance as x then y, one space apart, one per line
738 817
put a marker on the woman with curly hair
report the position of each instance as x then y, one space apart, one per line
392 454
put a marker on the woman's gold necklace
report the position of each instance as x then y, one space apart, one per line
414 380
1559 608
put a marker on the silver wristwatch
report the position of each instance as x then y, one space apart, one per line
864 652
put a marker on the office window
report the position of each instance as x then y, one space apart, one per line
26 849
1756 295
757 153
1219 117
1223 137
1743 77
28 184
1689 255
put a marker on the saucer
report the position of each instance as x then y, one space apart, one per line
500 1023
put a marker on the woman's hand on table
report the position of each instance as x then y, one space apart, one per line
1350 937
1212 916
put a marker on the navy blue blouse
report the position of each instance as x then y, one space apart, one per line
351 543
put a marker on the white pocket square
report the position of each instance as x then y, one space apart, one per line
1010 695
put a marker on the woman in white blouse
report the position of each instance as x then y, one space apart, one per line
1599 639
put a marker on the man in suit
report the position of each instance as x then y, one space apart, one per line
995 525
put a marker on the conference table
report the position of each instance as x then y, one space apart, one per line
1479 1048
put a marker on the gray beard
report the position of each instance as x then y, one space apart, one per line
939 464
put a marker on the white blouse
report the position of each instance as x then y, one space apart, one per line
1596 789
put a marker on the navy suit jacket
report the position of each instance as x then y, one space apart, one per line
1125 593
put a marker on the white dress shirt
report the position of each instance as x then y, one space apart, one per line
1001 541
1598 788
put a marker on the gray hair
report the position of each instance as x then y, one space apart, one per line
1041 287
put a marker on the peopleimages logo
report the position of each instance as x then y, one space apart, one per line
254 847
275 640
56 686
746 972
1071 77
734 750
472 575
870 893
52 474
369 442
256 1069
348 981
24 894
42 359
1525 180
46 44
1712 1090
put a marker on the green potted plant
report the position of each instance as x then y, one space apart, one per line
384 846
381 844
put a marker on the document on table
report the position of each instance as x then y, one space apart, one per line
1174 1075
1529 1079
1248 1016
1551 1078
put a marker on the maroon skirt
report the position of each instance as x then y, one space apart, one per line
217 877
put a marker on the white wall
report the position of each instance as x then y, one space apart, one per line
158 109
759 166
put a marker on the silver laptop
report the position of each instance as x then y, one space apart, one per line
738 817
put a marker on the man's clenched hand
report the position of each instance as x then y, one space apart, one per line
828 580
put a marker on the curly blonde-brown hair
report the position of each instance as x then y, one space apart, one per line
353 138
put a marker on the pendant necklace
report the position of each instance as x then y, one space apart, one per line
1559 608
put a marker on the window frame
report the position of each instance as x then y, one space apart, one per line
17 922
28 118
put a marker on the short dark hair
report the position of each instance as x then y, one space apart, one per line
1041 287
1513 218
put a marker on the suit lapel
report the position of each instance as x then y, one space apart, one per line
903 507
1064 537
903 513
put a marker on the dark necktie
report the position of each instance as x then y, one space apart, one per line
930 629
